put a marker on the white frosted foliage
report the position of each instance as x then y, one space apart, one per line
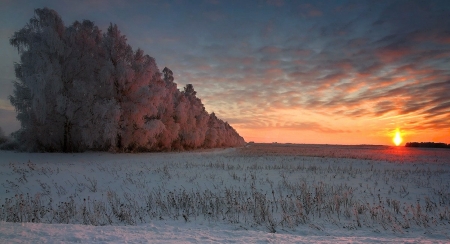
80 89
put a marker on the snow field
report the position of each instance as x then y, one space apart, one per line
215 191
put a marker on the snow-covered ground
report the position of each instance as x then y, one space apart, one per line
258 194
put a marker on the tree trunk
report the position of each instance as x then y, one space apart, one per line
67 145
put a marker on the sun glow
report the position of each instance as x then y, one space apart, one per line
397 138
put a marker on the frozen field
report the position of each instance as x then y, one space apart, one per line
266 193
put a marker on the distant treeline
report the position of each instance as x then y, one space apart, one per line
427 144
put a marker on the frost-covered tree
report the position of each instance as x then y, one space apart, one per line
39 74
89 105
137 88
80 89
61 102
194 119
3 138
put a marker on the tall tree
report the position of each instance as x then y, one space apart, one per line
2 136
79 89
138 89
89 109
41 45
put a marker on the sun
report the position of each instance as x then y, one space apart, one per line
397 138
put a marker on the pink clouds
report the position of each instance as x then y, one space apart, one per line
270 49
362 95
433 35
358 62
388 55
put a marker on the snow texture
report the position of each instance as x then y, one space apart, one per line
261 193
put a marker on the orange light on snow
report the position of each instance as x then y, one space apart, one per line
397 138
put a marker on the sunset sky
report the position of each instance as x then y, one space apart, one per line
335 72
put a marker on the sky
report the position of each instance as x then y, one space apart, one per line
327 72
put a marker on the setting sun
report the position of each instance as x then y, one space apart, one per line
397 139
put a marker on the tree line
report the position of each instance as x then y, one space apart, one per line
79 89
427 144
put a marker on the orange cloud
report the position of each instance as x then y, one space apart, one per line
387 55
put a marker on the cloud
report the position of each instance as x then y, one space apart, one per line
390 55
384 107
214 15
277 3
311 126
309 10
352 61
6 105
359 112
8 121
270 50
